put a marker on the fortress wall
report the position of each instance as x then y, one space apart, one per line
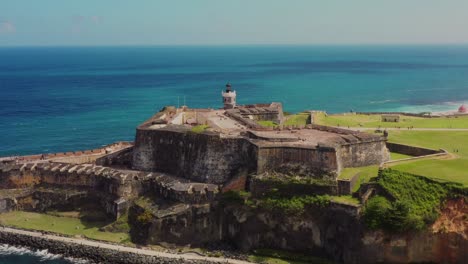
311 161
411 150
198 157
65 176
122 157
363 154
79 159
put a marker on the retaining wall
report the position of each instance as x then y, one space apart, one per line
411 150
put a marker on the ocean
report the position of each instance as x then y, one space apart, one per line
57 99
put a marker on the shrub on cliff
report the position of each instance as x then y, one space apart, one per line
144 217
416 205
294 205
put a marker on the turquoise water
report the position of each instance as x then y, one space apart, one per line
62 99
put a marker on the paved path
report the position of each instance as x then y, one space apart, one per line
403 129
121 248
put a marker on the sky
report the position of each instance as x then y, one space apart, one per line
233 22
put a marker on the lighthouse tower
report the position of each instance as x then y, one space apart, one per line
229 97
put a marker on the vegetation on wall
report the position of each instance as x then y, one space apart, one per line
417 201
274 201
199 128
300 119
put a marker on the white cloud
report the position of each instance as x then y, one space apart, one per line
7 27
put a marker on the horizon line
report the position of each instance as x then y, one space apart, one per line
232 45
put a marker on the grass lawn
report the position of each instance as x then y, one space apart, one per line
297 119
347 199
397 156
199 128
455 169
267 123
374 121
63 225
365 174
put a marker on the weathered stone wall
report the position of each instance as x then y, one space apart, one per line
363 154
309 161
411 150
119 158
56 183
199 157
345 186
260 187
190 225
422 247
332 231
67 175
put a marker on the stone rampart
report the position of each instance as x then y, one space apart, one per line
202 157
84 156
363 154
261 187
411 150
121 158
312 161
180 189
345 186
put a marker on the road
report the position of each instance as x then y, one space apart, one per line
96 244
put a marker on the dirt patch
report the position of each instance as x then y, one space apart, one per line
453 218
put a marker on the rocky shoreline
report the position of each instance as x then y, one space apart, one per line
98 252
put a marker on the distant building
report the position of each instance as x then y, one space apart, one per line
229 97
390 118
462 109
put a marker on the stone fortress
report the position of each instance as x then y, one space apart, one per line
234 144
181 162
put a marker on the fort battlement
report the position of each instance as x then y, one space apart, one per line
218 156
81 156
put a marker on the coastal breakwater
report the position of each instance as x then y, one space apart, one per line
99 252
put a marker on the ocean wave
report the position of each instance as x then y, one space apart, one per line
434 108
42 255
383 101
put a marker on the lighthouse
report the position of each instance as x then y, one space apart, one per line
229 97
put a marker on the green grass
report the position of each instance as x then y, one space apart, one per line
455 169
297 119
63 225
366 173
374 121
397 156
347 199
267 123
270 256
199 128
416 205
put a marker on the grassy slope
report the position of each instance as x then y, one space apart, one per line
455 169
199 128
374 121
267 123
298 119
365 174
63 225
